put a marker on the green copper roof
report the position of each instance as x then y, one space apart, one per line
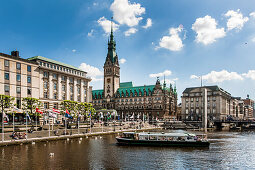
97 92
53 61
126 84
127 90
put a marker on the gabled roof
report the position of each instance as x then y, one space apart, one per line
54 62
97 92
126 84
133 89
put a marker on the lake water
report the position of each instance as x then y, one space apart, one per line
228 150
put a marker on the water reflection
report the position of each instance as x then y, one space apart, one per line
230 150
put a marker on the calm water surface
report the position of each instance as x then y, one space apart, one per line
228 150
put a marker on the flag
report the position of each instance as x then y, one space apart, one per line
55 110
68 116
27 115
89 113
102 115
7 118
67 112
52 115
38 111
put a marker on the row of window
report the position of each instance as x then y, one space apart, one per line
197 111
18 89
197 99
63 78
18 77
197 104
56 67
199 94
18 65
131 100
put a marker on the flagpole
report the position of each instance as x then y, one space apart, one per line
26 121
65 124
102 116
90 123
13 121
49 122
3 126
35 121
78 124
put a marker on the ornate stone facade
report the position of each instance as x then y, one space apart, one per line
152 100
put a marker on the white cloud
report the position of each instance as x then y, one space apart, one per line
74 50
92 71
90 34
172 42
250 74
148 24
236 19
252 14
165 73
207 31
217 77
194 77
122 60
253 39
170 81
95 4
106 25
127 13
130 31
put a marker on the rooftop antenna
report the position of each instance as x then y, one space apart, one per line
201 77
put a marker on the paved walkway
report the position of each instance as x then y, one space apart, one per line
45 135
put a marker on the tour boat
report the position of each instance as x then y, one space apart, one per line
163 139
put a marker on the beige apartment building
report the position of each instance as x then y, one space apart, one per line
19 77
48 80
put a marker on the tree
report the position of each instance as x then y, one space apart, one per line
5 102
30 104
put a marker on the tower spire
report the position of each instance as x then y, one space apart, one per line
111 36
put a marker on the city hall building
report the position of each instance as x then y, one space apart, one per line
155 101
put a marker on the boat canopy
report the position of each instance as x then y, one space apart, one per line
166 134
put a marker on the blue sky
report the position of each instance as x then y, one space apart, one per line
181 39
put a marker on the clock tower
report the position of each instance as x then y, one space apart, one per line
111 70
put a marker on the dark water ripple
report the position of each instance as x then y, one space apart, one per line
228 150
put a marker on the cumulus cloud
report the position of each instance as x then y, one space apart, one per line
148 24
220 76
92 71
122 60
73 50
106 25
165 73
127 13
194 77
207 31
130 31
250 74
173 42
90 34
170 81
253 39
252 14
236 19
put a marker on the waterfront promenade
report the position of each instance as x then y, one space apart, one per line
97 130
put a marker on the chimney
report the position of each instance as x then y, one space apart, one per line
15 53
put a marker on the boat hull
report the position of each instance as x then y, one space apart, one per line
125 141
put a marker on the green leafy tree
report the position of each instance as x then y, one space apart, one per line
30 104
70 106
5 102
